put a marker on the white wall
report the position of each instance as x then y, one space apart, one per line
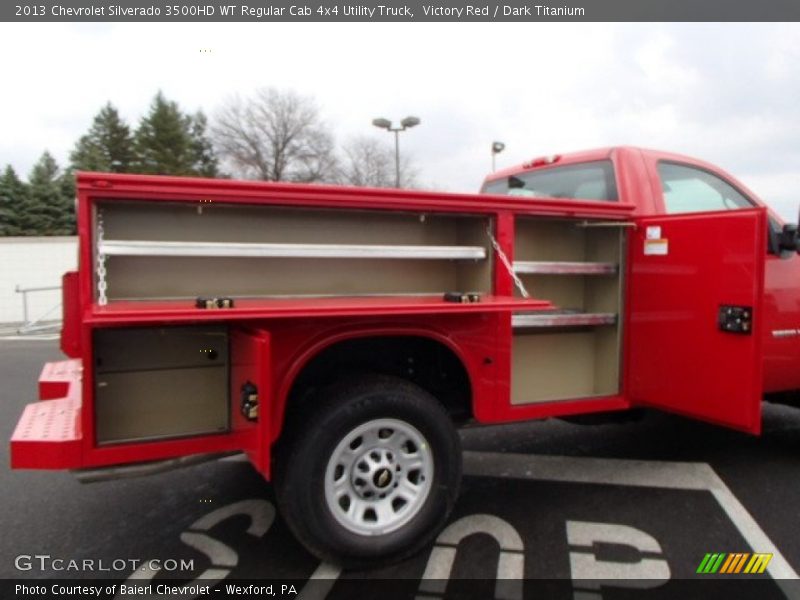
34 262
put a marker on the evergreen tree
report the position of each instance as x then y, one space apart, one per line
69 196
13 193
163 140
169 142
205 160
108 146
47 210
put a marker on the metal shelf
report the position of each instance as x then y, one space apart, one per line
544 319
240 250
564 268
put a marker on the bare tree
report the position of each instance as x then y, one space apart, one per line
366 162
275 135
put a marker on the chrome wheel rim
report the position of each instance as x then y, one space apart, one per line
378 477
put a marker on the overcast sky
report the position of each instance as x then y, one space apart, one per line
727 93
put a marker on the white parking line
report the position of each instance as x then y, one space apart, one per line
639 473
314 589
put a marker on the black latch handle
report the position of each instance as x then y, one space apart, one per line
735 319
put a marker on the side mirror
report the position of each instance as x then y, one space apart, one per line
788 240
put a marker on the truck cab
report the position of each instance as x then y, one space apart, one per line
662 183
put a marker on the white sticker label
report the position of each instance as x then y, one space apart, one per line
654 232
656 247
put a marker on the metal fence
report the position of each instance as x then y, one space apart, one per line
48 321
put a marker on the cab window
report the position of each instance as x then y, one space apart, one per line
585 181
688 189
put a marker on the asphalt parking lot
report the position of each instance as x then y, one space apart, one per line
639 504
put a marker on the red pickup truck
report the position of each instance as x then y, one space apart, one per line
339 336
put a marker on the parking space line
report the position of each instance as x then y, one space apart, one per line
639 473
320 582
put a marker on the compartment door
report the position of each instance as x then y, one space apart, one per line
695 319
250 375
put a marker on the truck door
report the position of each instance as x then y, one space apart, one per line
695 320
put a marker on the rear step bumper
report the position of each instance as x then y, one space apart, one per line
57 377
48 435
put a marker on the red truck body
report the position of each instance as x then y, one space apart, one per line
674 355
283 335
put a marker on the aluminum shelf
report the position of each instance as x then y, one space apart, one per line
240 250
543 319
564 268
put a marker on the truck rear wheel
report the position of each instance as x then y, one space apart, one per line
372 474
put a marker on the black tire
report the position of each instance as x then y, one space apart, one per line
302 462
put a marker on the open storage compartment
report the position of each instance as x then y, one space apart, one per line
573 351
160 382
171 250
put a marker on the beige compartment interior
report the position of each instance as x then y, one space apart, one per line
160 382
560 362
163 277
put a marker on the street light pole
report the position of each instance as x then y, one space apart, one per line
386 124
497 148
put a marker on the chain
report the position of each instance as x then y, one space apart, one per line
102 284
507 264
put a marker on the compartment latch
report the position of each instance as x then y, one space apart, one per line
249 403
735 319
